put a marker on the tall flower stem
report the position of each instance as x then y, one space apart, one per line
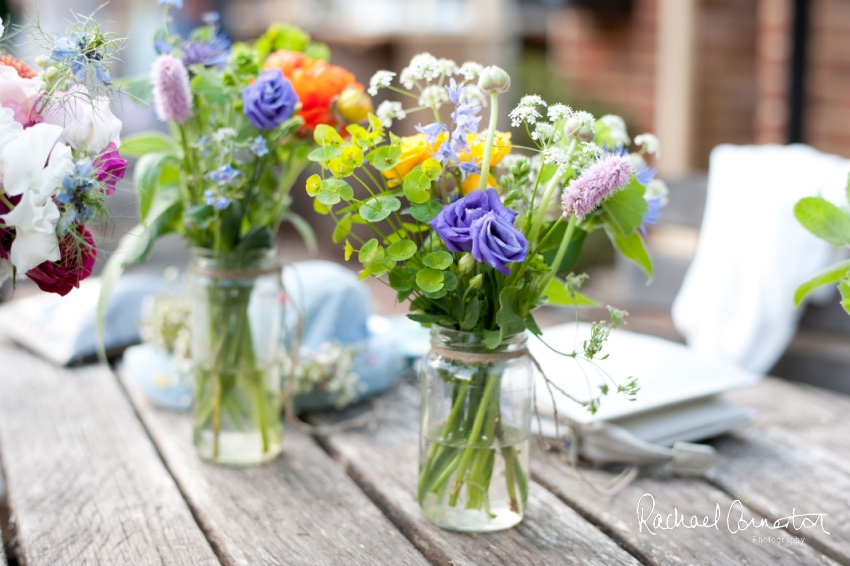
491 137
562 250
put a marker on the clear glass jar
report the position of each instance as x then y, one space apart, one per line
236 322
474 448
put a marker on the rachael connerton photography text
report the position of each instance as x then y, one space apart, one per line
735 521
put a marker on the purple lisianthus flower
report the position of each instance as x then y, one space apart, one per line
270 100
455 221
496 242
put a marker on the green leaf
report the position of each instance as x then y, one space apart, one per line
139 88
550 248
425 318
349 249
450 281
208 84
417 186
303 228
324 154
847 189
470 314
377 208
257 238
335 190
844 290
509 319
627 207
532 326
558 295
343 228
830 275
632 248
430 280
492 338
368 251
135 247
386 157
143 143
318 50
401 280
325 135
401 250
426 212
148 176
438 260
824 220
199 217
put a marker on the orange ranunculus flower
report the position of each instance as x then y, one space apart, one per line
316 82
501 147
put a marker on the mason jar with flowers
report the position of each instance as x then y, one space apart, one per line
240 136
475 255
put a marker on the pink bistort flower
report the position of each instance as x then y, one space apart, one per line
597 183
171 92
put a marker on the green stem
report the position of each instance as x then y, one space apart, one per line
491 136
562 250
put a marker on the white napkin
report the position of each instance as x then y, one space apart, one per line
736 303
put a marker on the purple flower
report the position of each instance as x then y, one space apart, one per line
445 154
467 168
455 91
654 205
431 131
597 183
270 100
224 175
110 166
454 223
171 94
645 175
212 52
496 242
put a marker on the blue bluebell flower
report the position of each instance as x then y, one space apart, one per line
431 131
74 194
224 175
467 168
455 92
259 147
445 154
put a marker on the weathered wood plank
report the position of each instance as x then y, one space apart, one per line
384 464
300 509
85 484
618 515
795 458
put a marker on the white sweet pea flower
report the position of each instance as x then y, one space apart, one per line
35 216
2 31
15 91
89 124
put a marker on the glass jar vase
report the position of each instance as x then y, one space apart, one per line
236 322
474 448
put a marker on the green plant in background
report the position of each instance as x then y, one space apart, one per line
831 224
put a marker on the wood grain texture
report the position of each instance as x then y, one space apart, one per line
299 509
85 484
794 458
618 516
384 464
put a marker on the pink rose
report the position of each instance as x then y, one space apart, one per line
75 265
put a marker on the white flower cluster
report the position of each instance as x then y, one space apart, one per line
544 132
524 114
648 143
559 112
617 132
658 188
423 67
388 111
470 70
556 156
381 79
329 370
433 96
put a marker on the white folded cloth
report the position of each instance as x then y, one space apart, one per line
736 302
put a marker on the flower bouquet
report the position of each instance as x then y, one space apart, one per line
475 254
240 118
58 156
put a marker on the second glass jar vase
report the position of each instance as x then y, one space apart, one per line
474 449
236 354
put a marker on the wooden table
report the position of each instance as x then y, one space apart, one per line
94 474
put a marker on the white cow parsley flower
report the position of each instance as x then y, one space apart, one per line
559 112
649 143
543 132
470 70
617 134
531 100
433 96
381 79
423 67
447 67
526 114
657 188
389 110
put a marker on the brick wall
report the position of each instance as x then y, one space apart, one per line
772 68
608 64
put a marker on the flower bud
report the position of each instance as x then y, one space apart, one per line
582 126
466 263
353 105
475 282
494 79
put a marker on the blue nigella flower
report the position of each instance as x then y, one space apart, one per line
655 204
431 131
75 52
259 147
224 175
73 194
212 52
176 3
645 175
